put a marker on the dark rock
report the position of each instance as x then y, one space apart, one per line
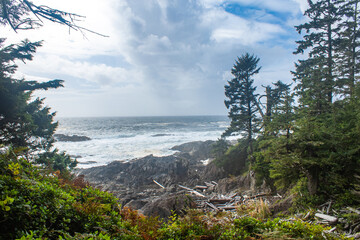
136 204
87 162
212 172
140 172
68 138
197 150
165 206
132 182
239 183
162 135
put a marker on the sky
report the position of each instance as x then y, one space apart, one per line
161 57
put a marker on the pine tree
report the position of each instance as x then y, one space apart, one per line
23 122
348 53
278 110
316 75
242 100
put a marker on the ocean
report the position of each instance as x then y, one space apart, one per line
126 138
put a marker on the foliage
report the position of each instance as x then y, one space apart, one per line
234 159
219 148
315 145
36 204
24 15
23 121
56 161
33 200
241 98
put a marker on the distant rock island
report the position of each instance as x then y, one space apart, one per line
68 138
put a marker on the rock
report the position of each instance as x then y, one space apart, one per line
197 150
136 204
162 135
239 183
165 206
68 138
141 172
212 172
132 182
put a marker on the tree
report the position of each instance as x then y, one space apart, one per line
24 122
275 140
278 108
24 15
348 53
315 75
241 99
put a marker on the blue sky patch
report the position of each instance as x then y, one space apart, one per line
257 13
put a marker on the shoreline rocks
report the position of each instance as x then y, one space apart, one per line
68 138
133 181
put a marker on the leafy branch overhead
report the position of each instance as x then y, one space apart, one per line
25 15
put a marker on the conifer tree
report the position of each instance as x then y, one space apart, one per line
279 101
23 122
242 99
316 75
348 53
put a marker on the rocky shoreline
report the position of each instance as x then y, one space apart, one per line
151 184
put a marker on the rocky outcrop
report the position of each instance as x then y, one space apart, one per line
141 172
196 150
68 138
133 182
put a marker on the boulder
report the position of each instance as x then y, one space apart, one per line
166 205
68 138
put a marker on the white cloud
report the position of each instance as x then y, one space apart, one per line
161 57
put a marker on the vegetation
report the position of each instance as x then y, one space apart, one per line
25 15
241 96
36 203
311 144
310 148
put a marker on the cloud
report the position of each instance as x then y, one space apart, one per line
161 57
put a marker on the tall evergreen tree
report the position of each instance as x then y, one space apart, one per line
23 122
348 53
316 75
241 98
279 101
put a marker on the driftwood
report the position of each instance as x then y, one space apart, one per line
220 201
328 218
201 187
353 210
209 184
192 191
158 184
231 207
212 206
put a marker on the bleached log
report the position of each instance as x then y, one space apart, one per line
220 201
328 218
212 206
231 207
233 195
192 191
213 182
201 187
209 184
158 184
353 210
328 208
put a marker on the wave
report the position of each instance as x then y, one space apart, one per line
128 138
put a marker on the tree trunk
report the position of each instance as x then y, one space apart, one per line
313 180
